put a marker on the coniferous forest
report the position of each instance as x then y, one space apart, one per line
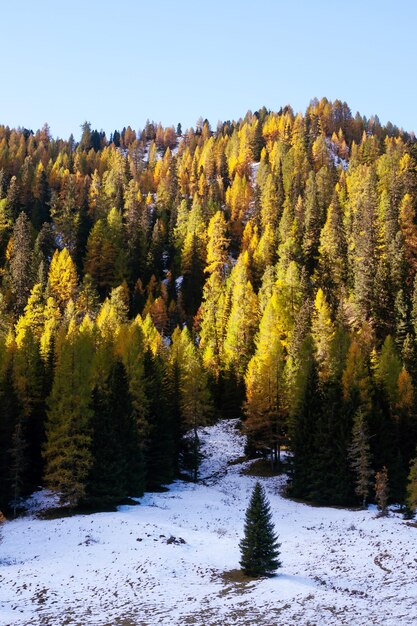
154 281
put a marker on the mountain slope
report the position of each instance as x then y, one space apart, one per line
163 562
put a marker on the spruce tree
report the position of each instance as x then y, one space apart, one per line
259 547
8 420
159 443
359 453
117 469
20 263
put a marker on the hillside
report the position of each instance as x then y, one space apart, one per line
158 279
339 566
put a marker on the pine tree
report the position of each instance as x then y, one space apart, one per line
259 547
9 417
359 453
159 444
117 469
66 212
21 262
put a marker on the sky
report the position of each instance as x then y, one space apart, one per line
119 63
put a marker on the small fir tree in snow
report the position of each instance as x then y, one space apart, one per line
259 547
381 491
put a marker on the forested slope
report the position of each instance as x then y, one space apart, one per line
155 280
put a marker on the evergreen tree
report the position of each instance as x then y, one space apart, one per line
160 441
21 263
359 453
117 469
65 211
259 547
250 246
9 416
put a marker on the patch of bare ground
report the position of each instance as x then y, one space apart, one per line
261 468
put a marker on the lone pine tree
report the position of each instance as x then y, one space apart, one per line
259 547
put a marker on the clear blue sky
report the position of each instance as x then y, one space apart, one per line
120 62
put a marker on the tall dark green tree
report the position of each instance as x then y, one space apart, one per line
117 469
9 416
160 443
259 547
360 456
21 263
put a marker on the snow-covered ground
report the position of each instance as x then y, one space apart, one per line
339 567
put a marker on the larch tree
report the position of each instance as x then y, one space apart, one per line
62 278
33 317
332 262
323 332
407 215
196 401
266 394
242 321
29 383
211 310
67 451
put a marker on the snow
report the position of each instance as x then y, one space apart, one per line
337 160
339 566
255 166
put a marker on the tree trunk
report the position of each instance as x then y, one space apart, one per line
195 468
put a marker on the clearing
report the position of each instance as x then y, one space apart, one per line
172 559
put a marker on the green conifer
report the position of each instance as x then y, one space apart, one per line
259 547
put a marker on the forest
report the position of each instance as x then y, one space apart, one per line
155 281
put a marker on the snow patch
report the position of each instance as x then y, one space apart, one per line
339 566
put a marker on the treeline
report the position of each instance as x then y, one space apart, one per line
285 248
